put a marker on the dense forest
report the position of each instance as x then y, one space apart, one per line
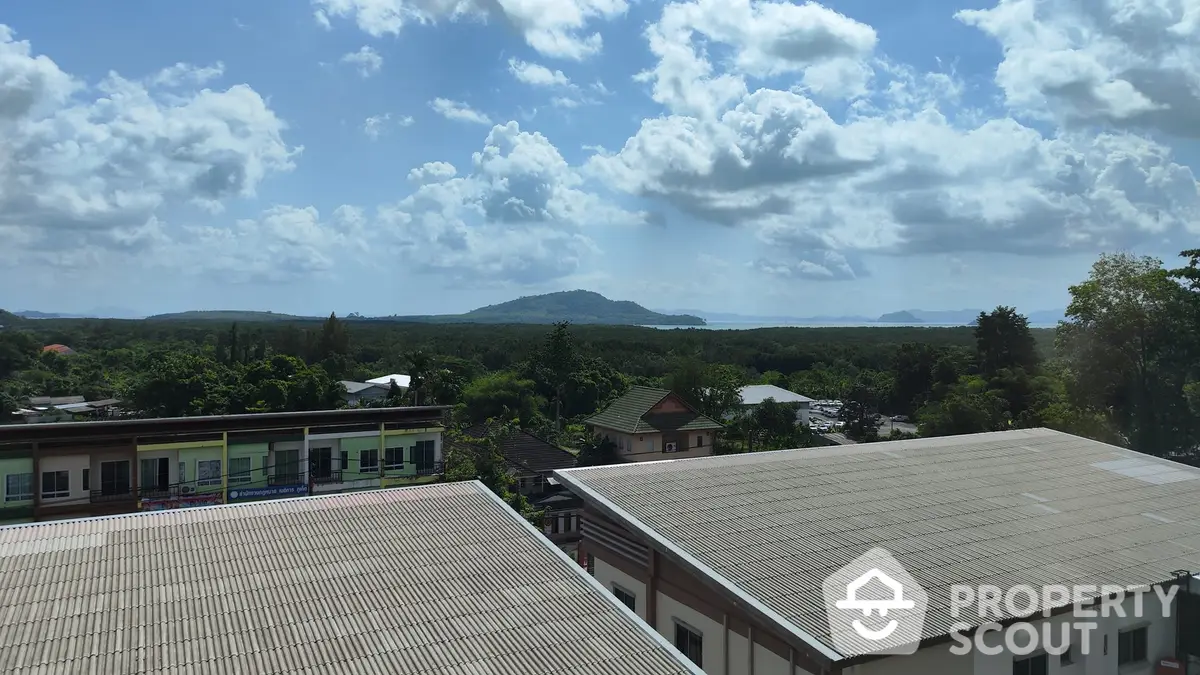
1123 367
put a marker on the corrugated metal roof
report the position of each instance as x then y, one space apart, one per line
1034 507
434 579
400 379
754 394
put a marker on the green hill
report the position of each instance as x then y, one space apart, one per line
576 307
581 307
228 315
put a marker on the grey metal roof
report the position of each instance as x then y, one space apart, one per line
1034 507
353 387
437 580
753 394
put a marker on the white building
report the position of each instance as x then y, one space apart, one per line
754 394
727 555
401 381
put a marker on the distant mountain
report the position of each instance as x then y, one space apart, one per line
247 316
9 319
33 314
899 317
581 307
98 313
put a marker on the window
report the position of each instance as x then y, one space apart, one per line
1067 657
690 642
114 478
393 458
700 441
182 473
18 487
343 461
626 597
287 467
650 445
368 461
423 456
1131 646
155 474
1031 665
239 470
56 484
208 472
320 461
87 480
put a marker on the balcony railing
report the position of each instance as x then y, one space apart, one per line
434 469
284 479
327 477
111 495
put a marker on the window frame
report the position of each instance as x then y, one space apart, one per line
1132 631
118 484
393 458
365 467
690 644
208 481
240 476
17 496
625 597
56 493
1024 665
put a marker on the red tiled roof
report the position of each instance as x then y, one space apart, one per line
61 349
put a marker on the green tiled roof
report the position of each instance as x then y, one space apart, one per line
629 414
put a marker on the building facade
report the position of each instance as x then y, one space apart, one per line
72 470
648 424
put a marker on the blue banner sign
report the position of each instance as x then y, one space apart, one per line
244 494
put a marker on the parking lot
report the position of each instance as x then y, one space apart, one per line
886 425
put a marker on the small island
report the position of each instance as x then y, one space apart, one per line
902 316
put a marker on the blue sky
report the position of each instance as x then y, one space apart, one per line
426 156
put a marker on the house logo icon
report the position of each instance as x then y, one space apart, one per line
874 606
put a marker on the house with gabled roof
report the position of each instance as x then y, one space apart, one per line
648 424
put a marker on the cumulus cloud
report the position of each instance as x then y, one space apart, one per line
1124 63
520 216
557 28
366 60
376 125
285 243
904 170
91 165
458 111
536 74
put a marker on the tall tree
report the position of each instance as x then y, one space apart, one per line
1003 340
1124 348
334 339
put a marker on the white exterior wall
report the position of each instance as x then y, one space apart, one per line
1160 644
649 447
74 464
608 575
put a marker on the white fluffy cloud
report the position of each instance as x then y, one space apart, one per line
366 60
557 28
86 168
1125 63
899 172
285 243
376 125
536 74
520 216
458 111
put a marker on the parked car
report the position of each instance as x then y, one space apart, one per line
899 418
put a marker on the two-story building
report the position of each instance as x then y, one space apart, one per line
532 462
75 469
648 424
742 560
